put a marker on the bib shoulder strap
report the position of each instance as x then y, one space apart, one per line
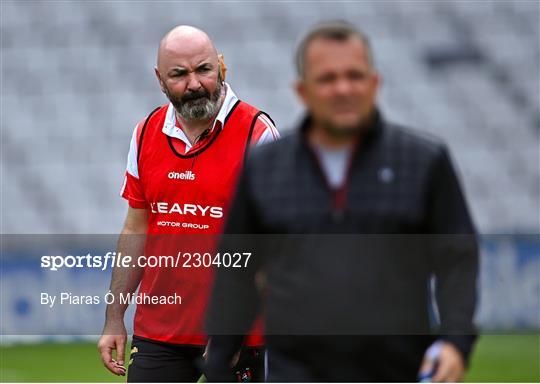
141 137
244 116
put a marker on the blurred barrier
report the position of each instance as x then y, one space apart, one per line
509 283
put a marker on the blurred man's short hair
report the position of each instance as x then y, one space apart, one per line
333 30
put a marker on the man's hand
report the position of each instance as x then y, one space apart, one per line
114 338
450 366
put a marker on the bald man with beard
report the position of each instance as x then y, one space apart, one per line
182 167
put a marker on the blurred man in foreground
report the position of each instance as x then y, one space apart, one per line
182 168
374 210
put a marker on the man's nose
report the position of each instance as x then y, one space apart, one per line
342 87
193 82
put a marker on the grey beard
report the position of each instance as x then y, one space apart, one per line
200 110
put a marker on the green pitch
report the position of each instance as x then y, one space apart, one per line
497 358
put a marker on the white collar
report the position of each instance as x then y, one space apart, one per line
170 128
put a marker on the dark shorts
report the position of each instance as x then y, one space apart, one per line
154 361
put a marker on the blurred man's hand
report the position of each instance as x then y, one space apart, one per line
447 362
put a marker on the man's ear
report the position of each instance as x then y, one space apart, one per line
222 67
300 89
377 79
158 75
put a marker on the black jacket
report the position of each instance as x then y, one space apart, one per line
360 258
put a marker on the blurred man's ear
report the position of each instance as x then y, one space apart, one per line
158 75
300 89
377 80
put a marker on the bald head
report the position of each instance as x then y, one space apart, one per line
188 71
187 41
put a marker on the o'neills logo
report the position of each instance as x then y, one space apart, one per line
186 209
187 175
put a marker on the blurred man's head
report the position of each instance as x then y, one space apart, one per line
337 80
188 73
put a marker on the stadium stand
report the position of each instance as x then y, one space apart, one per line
77 76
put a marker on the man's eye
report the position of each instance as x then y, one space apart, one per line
325 79
357 75
204 69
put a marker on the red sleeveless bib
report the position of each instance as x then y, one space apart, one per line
189 196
